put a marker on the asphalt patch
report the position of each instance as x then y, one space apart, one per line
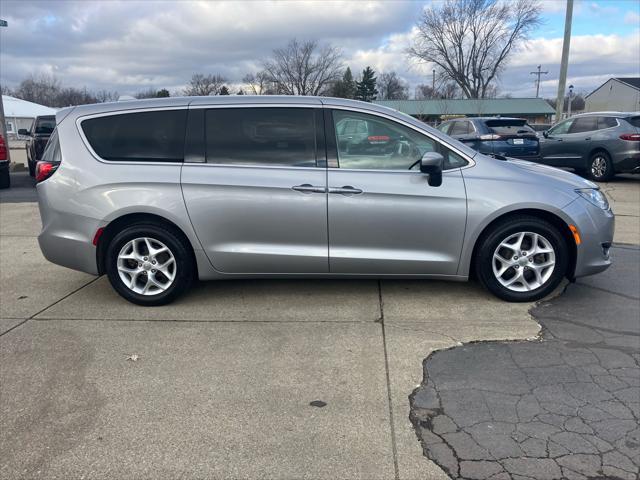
566 406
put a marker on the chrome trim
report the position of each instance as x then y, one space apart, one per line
231 165
212 106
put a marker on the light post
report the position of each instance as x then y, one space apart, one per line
3 126
570 97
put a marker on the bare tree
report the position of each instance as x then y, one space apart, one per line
304 68
443 90
260 83
74 96
43 89
391 87
204 85
103 96
470 40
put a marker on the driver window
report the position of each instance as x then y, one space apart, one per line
375 143
561 128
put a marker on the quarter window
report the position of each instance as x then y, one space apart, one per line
460 128
382 144
156 136
261 136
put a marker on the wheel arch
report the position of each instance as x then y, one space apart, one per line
117 224
546 215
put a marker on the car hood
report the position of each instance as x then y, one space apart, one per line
568 178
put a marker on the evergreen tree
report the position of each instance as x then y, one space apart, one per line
366 87
162 93
346 87
240 92
224 90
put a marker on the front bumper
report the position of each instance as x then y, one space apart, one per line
596 228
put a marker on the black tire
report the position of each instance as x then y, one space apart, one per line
489 242
5 179
32 168
595 170
184 263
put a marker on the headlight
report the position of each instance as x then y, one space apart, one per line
594 196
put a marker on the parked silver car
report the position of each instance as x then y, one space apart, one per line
598 144
157 193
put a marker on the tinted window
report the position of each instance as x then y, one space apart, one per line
561 128
45 125
261 136
635 121
145 136
509 126
52 150
387 145
444 127
606 122
584 124
460 128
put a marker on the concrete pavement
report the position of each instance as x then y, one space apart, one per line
227 380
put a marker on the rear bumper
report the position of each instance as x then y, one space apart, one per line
628 163
67 239
596 228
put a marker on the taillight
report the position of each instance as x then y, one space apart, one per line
44 170
3 150
490 136
632 137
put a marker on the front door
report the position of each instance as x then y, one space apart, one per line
562 147
258 202
384 218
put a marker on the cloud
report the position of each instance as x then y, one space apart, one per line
131 45
632 18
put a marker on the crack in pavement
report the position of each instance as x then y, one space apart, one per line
566 406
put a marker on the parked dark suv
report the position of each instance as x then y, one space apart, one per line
507 137
39 136
598 144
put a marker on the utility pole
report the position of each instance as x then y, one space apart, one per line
433 83
570 98
565 60
3 123
538 73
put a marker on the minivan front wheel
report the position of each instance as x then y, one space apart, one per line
522 260
148 265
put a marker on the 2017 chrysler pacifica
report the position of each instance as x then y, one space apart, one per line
159 192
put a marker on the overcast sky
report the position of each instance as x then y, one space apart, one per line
130 45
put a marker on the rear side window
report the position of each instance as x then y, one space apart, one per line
52 150
509 127
606 122
584 124
444 127
635 121
460 128
262 136
156 136
45 125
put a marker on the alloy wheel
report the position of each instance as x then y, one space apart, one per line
146 266
598 166
524 261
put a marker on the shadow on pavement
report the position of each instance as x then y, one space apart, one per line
564 407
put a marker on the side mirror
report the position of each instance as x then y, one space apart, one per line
432 164
545 134
25 132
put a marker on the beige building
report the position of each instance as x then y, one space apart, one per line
616 94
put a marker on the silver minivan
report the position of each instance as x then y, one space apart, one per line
157 193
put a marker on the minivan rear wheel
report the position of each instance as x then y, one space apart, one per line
522 259
148 264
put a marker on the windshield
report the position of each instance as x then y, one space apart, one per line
45 125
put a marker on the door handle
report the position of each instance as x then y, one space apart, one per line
588 138
308 188
346 190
